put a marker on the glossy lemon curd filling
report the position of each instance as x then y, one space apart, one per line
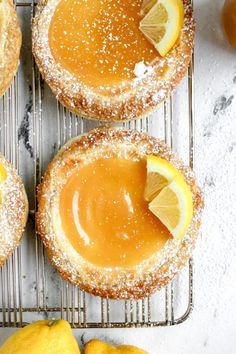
99 41
3 173
3 177
1 23
105 216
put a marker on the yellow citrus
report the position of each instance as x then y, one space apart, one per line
162 23
174 207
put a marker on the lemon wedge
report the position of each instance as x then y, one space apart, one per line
174 207
169 195
162 23
159 174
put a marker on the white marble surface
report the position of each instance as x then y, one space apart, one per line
211 327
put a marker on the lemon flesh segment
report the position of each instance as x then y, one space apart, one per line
174 207
160 173
146 6
162 24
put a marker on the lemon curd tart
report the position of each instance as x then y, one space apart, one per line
10 44
98 62
95 222
13 209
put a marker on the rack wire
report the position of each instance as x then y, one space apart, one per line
33 126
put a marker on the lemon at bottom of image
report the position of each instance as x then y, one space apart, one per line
96 346
55 337
42 337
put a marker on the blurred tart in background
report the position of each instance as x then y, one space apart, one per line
229 21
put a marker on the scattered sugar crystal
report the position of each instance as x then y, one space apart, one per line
141 69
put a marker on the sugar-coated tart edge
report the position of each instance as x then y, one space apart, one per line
14 211
129 101
115 283
10 44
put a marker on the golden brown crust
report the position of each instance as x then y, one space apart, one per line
10 44
13 211
132 100
116 283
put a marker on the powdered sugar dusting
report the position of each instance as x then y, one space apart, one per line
141 70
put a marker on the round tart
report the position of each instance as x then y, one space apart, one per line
99 64
95 223
13 209
10 44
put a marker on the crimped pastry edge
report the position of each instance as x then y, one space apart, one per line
132 101
120 283
18 212
11 50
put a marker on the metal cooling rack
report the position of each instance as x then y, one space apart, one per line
33 125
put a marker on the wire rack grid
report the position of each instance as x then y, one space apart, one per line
30 288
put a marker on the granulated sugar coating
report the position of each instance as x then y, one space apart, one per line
89 52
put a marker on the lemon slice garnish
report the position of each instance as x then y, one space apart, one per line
162 23
159 174
170 196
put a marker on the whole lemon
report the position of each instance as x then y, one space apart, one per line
42 337
96 346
